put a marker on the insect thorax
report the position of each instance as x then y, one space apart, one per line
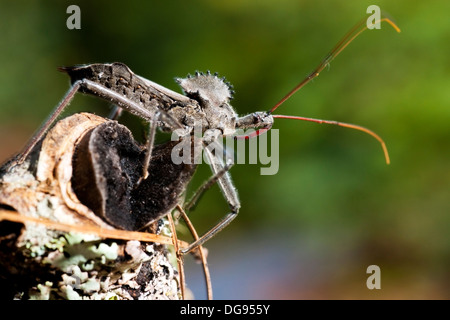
213 95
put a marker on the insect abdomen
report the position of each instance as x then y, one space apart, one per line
119 78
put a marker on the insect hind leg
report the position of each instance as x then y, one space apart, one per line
48 123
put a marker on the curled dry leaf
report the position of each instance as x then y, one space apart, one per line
38 262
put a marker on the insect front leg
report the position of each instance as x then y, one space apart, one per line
229 162
150 143
223 178
153 124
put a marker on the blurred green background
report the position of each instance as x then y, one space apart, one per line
334 207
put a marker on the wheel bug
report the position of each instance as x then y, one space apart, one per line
206 102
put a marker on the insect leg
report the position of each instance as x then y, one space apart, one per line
116 112
212 180
96 89
48 123
230 195
108 94
150 143
151 116
205 186
123 102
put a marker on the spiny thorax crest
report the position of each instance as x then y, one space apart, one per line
213 94
207 87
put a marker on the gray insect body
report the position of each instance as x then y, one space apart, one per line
206 105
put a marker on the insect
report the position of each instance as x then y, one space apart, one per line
206 102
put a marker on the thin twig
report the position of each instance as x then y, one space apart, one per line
179 256
90 229
201 250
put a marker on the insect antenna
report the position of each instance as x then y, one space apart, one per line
342 124
341 45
